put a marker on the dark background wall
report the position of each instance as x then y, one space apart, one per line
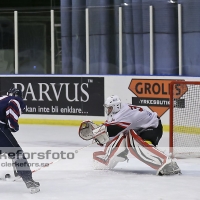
35 52
28 3
34 37
104 36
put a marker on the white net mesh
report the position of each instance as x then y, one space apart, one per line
186 121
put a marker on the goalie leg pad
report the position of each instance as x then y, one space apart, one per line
115 151
145 152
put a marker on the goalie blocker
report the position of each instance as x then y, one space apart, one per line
116 150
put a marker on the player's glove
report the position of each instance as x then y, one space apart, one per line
11 129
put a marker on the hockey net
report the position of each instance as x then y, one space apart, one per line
185 119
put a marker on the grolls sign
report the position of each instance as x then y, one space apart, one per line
154 93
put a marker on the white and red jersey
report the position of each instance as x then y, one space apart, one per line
140 118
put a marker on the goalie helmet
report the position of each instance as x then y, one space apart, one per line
112 105
15 92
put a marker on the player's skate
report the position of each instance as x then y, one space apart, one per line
33 186
169 168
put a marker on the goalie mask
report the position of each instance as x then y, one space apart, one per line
112 105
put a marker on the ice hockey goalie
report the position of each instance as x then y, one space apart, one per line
128 129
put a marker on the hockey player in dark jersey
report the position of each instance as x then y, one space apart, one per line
11 107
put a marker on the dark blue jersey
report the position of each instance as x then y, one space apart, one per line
11 108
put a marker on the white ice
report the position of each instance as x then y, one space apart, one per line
75 179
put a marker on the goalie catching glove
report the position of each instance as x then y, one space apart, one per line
89 130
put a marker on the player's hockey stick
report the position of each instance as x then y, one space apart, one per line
48 164
33 171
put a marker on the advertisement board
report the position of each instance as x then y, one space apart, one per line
70 99
155 94
59 95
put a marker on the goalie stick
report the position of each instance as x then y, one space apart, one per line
76 151
47 164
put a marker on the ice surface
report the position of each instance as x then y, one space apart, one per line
75 179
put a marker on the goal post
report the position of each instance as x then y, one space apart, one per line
184 119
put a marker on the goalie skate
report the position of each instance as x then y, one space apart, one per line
169 168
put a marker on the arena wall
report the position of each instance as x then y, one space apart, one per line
68 100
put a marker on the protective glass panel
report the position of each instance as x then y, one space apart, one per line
34 42
7 43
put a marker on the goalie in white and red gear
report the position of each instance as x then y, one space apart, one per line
135 130
120 115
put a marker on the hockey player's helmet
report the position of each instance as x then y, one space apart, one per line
15 92
112 105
